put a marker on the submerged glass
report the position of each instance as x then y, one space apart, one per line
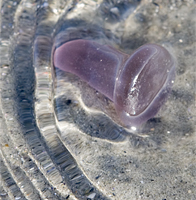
61 138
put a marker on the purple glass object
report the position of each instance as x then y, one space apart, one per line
138 84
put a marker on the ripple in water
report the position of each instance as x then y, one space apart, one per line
56 141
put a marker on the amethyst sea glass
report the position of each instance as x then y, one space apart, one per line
138 84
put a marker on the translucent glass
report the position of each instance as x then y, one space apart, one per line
61 138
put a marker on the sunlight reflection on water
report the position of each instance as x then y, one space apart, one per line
56 141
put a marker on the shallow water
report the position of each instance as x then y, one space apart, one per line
60 138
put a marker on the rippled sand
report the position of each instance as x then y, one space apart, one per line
61 139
